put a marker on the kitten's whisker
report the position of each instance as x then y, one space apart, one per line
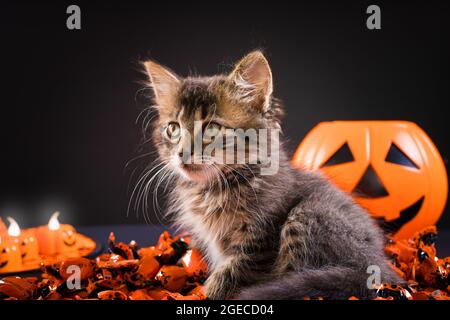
147 123
129 162
146 192
165 178
137 186
148 185
160 180
146 110
137 191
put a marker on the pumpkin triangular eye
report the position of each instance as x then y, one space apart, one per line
342 155
370 185
397 156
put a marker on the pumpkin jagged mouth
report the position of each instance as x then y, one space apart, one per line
406 215
3 264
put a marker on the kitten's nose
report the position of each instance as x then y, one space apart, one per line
185 149
185 156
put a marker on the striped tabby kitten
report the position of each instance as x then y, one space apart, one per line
285 235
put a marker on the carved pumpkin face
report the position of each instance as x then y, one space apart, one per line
10 257
67 239
28 246
391 168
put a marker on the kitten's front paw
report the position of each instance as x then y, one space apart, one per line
217 287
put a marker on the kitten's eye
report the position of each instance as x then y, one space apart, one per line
211 131
173 131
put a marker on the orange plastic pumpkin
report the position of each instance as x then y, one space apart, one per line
3 229
10 257
391 168
29 247
67 239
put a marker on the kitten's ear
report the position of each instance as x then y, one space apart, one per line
163 82
253 77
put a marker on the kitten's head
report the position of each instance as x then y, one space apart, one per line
197 112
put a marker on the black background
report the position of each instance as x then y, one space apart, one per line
69 99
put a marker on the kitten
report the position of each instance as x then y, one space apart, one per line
285 235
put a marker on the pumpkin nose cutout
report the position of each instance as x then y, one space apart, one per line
370 185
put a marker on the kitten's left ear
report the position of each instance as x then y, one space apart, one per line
163 81
253 77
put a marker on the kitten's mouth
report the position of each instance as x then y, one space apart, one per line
197 172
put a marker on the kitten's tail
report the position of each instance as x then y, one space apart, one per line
327 282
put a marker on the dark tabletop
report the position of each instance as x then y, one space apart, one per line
144 235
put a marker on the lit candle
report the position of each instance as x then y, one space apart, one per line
56 238
24 240
46 236
10 257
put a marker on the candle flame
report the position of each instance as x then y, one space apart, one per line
53 223
14 229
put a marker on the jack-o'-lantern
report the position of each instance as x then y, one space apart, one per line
29 247
24 240
391 168
55 238
67 240
10 256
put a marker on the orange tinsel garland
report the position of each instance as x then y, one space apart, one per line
171 270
